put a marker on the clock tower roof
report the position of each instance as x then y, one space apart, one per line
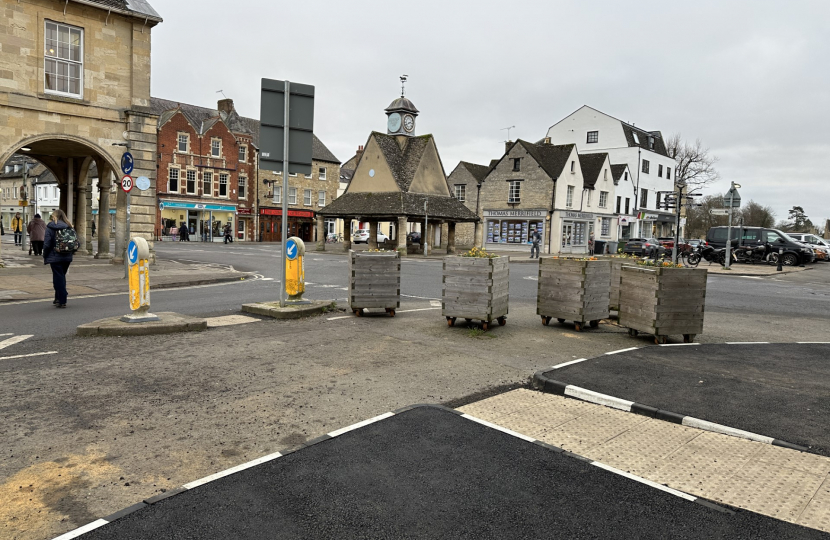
402 104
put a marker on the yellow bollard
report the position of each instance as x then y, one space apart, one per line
294 269
138 275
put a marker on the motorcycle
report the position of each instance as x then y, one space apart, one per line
707 253
758 254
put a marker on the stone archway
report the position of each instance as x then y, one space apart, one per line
69 159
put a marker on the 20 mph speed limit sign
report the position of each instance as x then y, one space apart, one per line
127 183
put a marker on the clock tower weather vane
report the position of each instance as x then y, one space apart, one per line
403 82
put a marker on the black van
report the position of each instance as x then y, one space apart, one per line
794 252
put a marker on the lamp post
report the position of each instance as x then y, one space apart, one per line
729 228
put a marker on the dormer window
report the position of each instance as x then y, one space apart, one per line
593 136
651 142
636 138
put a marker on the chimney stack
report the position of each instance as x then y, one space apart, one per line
225 106
507 145
359 153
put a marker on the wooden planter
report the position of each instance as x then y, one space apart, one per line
475 289
616 275
573 290
663 301
374 281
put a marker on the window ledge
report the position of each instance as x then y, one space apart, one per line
65 99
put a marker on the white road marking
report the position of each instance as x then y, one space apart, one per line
813 342
420 297
6 334
725 430
341 317
27 355
623 350
435 303
644 481
747 342
346 429
599 399
559 366
82 530
677 344
531 278
499 428
226 472
12 340
421 309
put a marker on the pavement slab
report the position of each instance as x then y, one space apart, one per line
774 481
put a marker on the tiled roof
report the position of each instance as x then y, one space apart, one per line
643 137
139 8
202 116
403 163
617 172
551 157
478 171
591 165
346 175
400 204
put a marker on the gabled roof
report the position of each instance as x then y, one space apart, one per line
136 8
642 139
402 162
617 172
551 157
591 165
395 204
479 172
203 118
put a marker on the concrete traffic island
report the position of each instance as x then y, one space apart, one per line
168 323
290 311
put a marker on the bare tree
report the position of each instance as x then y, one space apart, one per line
699 219
695 166
755 215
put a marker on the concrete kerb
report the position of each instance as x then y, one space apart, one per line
168 323
297 311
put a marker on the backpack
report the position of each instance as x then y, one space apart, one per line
66 241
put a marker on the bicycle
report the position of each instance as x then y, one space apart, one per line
334 238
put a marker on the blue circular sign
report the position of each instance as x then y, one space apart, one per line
132 252
142 183
291 250
127 163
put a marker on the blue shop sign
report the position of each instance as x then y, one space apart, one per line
196 206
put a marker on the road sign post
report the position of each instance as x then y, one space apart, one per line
138 271
286 114
734 199
127 184
294 269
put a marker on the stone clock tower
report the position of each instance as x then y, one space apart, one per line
401 117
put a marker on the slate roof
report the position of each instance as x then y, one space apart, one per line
403 163
617 172
402 103
591 165
390 205
139 8
200 117
642 136
346 175
551 157
479 172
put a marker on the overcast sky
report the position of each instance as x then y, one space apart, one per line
750 79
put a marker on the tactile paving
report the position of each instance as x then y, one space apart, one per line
777 492
589 430
802 461
817 512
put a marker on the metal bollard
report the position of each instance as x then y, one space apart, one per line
780 259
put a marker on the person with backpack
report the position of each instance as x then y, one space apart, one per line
59 243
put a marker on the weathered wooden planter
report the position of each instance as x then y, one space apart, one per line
573 290
663 301
475 289
616 275
374 281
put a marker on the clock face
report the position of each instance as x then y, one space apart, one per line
394 123
409 122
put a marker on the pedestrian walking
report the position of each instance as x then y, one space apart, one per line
591 244
37 232
17 227
227 231
535 239
60 242
182 232
93 228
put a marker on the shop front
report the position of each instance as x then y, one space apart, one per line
656 225
575 229
300 224
511 229
194 221
244 224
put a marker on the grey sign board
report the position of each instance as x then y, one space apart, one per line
735 198
272 126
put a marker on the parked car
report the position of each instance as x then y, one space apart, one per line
361 236
414 237
795 252
694 242
820 246
644 247
668 243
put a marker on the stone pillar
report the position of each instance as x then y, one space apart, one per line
479 234
104 183
423 238
347 233
450 238
120 227
401 232
373 235
81 225
70 190
321 233
431 236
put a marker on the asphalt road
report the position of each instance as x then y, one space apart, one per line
428 473
776 390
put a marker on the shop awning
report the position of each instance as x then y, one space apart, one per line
197 206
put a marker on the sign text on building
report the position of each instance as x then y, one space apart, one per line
516 213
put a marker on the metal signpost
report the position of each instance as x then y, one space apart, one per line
24 202
127 186
734 200
286 134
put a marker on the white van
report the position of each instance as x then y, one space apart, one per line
819 245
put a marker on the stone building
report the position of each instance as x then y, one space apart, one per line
551 189
75 90
465 182
398 179
206 171
43 191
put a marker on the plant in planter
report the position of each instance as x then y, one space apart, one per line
663 299
574 289
374 280
475 288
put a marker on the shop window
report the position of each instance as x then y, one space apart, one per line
603 199
645 166
223 185
569 197
216 148
173 181
643 198
243 187
207 184
307 197
292 195
243 153
605 227
460 192
321 198
321 173
183 140
514 195
191 182
63 64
